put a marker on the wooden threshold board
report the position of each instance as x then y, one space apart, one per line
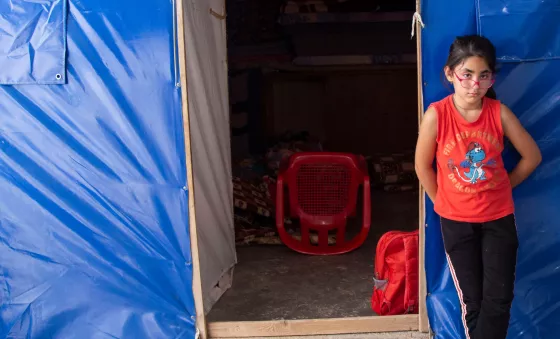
280 328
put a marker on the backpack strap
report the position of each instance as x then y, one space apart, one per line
411 266
382 246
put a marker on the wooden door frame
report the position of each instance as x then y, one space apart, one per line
423 322
328 326
199 317
415 322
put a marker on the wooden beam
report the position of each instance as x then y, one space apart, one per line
423 322
280 328
339 69
196 280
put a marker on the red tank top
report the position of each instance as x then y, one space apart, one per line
473 185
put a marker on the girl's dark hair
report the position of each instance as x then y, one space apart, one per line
468 46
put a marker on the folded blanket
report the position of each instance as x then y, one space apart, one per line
393 172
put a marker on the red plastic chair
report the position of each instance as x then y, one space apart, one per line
322 194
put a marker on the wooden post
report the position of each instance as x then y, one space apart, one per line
423 325
196 279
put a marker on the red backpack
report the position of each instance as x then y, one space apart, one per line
396 274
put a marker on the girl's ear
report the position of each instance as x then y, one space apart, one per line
448 74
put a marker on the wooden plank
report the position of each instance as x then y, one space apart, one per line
355 60
423 322
342 68
359 17
281 328
197 281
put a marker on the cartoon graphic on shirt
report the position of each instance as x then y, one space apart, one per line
474 161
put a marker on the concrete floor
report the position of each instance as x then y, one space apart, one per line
274 282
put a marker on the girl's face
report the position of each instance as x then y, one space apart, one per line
471 79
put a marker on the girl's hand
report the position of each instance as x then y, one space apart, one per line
524 144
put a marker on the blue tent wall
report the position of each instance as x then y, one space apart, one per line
94 238
527 36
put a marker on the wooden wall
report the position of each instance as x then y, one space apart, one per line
365 112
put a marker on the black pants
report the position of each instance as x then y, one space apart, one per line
482 259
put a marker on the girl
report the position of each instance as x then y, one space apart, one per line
472 192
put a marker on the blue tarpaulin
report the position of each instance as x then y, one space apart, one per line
527 38
94 236
33 41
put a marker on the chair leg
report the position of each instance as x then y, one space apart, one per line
341 235
323 240
305 235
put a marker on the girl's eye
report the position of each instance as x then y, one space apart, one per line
466 76
484 76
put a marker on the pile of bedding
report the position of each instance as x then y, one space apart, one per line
393 172
254 189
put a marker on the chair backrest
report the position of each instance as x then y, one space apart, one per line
324 185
